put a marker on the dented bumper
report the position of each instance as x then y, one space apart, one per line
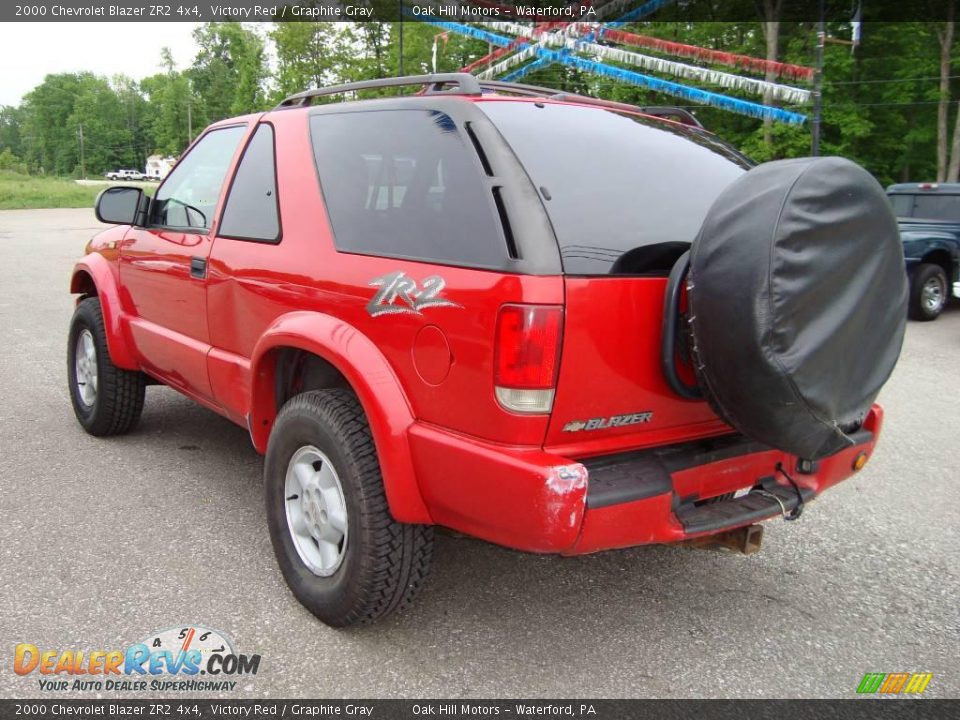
536 501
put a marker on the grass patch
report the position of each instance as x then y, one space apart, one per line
23 192
26 192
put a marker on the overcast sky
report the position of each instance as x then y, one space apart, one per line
29 51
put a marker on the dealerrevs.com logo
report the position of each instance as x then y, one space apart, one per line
189 658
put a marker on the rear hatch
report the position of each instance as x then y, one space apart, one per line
626 195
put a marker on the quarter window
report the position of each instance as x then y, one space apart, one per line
251 211
403 183
188 197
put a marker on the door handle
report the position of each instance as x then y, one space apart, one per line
198 267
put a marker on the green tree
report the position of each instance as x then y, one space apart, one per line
11 118
49 145
136 116
98 116
229 70
309 54
880 101
9 161
175 115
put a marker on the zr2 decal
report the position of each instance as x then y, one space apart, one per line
401 294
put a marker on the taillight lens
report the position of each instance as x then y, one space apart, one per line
527 356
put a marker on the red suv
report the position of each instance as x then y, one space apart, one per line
558 324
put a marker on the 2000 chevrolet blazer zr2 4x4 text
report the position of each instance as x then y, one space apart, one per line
551 322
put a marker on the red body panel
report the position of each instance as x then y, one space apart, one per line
450 454
371 377
98 273
611 366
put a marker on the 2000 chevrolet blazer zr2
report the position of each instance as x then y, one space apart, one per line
554 323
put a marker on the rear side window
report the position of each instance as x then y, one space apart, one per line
614 183
252 211
403 183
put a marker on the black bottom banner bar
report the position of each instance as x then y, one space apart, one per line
868 709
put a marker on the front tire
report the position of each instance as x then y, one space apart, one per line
107 400
341 553
928 292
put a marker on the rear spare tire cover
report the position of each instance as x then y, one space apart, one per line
797 302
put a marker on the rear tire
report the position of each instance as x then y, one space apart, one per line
321 460
928 292
107 400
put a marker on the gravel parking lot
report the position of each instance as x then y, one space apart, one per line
106 541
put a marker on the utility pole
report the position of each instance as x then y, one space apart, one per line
818 83
401 39
83 165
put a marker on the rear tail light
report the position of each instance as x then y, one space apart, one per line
527 356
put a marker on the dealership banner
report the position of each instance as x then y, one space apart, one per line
612 12
185 709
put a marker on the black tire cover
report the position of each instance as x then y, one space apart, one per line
798 302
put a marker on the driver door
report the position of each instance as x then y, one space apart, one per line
163 266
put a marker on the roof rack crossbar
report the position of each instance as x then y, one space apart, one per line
463 84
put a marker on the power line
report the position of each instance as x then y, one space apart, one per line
890 104
880 82
830 105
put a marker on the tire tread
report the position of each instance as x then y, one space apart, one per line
120 393
399 553
921 273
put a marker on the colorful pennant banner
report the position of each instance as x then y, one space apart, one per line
692 94
511 62
783 93
743 62
495 55
520 72
564 56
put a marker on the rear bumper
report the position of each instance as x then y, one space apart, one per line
536 501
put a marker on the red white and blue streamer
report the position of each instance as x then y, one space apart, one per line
564 56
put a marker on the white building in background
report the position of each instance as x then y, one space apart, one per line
158 166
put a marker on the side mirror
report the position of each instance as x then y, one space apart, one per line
122 206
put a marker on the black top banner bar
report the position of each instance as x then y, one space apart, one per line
192 709
530 11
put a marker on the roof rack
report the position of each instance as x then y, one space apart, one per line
463 84
467 84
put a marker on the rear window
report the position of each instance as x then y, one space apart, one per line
929 207
404 183
612 183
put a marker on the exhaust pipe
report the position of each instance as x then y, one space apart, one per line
744 540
